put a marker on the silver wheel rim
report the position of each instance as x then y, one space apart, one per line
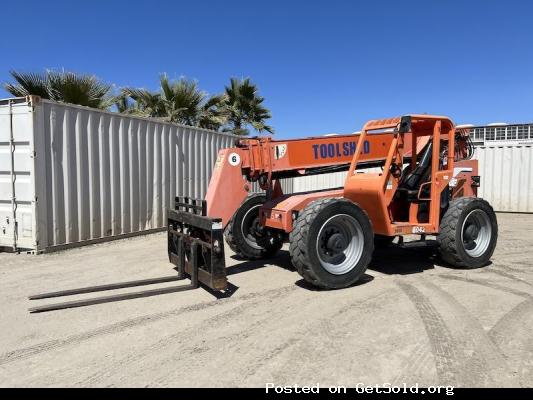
248 237
476 233
340 244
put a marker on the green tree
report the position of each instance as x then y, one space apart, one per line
65 87
243 107
179 101
145 103
237 110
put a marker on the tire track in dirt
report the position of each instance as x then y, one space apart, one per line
256 361
521 252
440 338
318 338
26 352
467 357
188 335
509 276
512 334
526 264
511 328
491 285
480 359
420 359
488 349
514 267
511 321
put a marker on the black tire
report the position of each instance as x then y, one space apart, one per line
463 240
382 241
251 245
304 250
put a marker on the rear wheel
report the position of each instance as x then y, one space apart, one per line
245 235
331 243
468 233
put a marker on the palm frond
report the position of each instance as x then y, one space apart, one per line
66 87
243 107
146 103
28 83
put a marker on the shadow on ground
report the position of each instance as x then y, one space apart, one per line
281 259
392 260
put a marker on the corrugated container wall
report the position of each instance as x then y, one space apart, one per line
506 171
325 181
82 174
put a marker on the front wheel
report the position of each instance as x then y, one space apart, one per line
332 242
468 233
245 235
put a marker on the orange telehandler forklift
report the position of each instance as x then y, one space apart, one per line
407 175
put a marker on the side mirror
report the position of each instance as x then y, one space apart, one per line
405 125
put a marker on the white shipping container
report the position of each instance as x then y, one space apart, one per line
506 171
74 175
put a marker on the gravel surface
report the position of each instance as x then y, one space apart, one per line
409 320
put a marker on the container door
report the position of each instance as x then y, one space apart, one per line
16 187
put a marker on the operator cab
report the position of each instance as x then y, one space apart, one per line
413 186
411 181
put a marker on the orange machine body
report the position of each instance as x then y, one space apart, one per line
376 193
264 160
380 143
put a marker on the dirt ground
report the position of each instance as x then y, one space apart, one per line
410 321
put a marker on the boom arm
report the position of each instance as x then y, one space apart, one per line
265 160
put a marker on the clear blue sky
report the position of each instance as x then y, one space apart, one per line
323 66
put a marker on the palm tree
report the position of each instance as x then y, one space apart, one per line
179 101
182 100
243 107
145 103
212 113
65 87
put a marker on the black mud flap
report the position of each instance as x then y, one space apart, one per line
196 244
